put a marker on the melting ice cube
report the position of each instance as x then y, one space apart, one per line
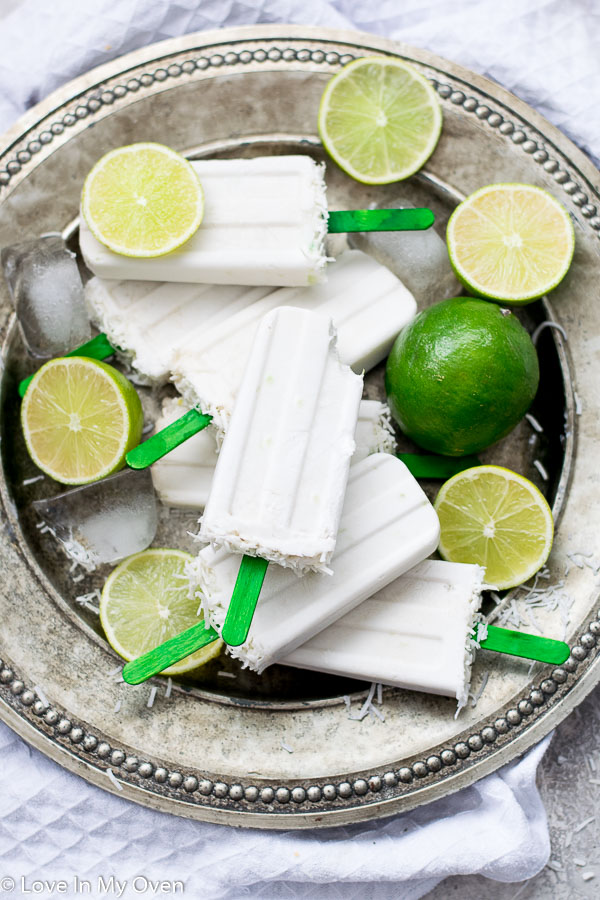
105 521
47 293
418 258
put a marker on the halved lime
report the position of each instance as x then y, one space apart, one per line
142 200
510 242
498 519
146 601
80 417
379 119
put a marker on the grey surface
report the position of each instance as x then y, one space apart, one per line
570 799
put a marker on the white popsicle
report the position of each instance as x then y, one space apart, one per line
415 633
183 477
281 474
204 334
151 320
387 527
265 222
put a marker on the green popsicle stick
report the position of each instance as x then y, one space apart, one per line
430 466
98 348
244 599
167 654
167 439
346 220
529 646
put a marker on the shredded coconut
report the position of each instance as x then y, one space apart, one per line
152 696
286 747
111 777
584 824
578 861
226 674
169 688
38 690
87 600
534 423
32 481
366 709
577 403
117 706
541 469
476 696
587 876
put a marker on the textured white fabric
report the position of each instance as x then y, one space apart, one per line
52 824
55 826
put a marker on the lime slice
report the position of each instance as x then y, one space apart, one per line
146 601
80 417
510 242
142 200
498 519
379 119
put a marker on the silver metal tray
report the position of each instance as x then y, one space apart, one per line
214 750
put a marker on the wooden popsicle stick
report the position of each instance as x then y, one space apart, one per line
347 220
167 439
243 601
98 348
528 646
167 654
424 465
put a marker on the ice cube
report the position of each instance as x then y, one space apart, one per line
47 293
105 521
418 258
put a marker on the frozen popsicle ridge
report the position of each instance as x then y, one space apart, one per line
387 526
150 321
183 477
265 222
368 306
281 474
415 633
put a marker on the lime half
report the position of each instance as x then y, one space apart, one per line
379 119
142 200
80 417
146 601
510 242
498 519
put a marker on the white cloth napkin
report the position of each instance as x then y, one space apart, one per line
54 825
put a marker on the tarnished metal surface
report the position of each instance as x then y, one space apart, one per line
214 749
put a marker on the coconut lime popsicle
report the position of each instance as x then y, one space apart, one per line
265 222
281 474
203 335
387 526
183 477
419 632
414 633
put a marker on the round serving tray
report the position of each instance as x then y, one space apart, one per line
218 749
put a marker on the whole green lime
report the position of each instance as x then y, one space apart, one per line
461 376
